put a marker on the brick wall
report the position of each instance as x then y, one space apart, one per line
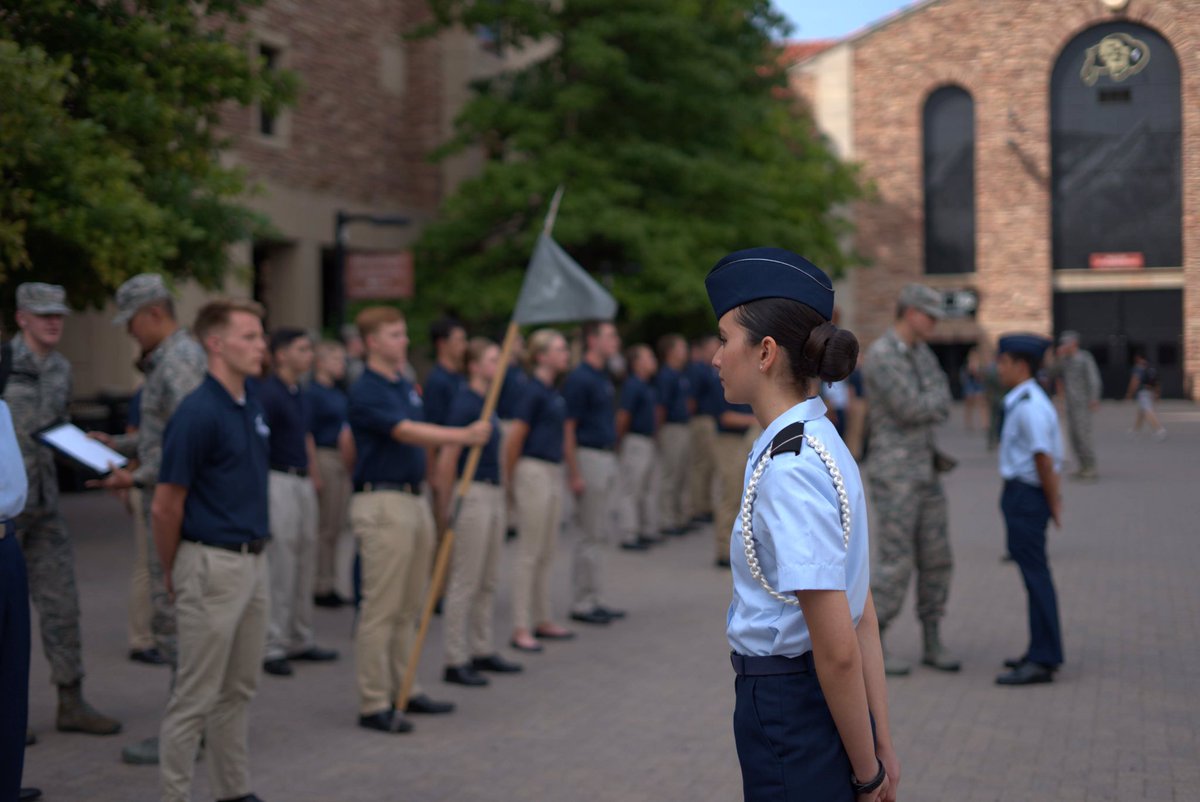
1003 52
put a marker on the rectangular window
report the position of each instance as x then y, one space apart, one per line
270 56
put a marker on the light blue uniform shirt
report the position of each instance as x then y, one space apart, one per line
14 485
1030 427
798 538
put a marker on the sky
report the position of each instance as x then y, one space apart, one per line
833 19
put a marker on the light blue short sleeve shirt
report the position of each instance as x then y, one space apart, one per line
14 485
1030 427
798 539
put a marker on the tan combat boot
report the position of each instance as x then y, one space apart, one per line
935 654
76 715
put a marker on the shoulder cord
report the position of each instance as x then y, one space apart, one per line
747 513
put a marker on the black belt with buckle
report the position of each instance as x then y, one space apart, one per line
771 665
288 469
376 487
248 547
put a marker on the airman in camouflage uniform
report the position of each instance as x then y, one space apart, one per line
1080 378
174 365
37 393
909 393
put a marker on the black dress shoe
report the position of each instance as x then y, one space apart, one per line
510 534
29 794
246 798
423 705
706 518
721 562
315 654
1014 662
611 612
151 656
1028 673
537 647
385 721
496 663
649 540
553 635
635 545
278 668
464 675
591 617
331 600
674 531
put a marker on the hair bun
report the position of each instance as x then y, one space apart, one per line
834 351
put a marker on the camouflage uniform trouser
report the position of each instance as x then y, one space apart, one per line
911 531
1079 427
162 611
51 563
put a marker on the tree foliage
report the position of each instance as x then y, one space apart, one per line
669 123
110 143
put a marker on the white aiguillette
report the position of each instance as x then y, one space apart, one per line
74 444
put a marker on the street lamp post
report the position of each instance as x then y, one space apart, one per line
341 220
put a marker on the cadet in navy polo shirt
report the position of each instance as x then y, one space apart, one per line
706 401
210 526
446 377
515 380
589 438
392 522
533 455
327 410
478 532
673 434
293 492
637 423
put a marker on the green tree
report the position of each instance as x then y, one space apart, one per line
110 140
669 122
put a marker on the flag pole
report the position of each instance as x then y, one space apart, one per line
441 564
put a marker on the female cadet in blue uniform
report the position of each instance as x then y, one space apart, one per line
1030 460
802 623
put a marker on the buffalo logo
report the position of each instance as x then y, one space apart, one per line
1117 55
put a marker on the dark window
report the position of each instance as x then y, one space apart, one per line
1168 354
267 124
1116 134
949 165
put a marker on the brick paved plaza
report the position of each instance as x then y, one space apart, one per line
641 710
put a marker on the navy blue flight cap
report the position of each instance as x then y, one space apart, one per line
1029 344
750 275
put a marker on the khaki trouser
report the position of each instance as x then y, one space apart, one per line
599 471
538 490
474 570
396 537
333 503
140 635
221 609
293 550
732 451
637 483
702 464
510 503
673 448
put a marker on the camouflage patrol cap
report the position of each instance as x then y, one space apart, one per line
925 299
142 289
42 299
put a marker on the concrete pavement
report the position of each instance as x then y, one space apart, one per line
640 710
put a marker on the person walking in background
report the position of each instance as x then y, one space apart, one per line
637 474
327 408
533 457
673 435
37 393
294 480
1030 463
971 381
478 531
1143 386
209 514
705 402
589 437
1077 374
909 394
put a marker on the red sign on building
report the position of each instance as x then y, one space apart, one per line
379 275
1117 261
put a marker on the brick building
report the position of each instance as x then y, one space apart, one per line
372 106
1035 159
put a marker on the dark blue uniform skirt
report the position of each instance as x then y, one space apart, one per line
787 743
14 663
1026 514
